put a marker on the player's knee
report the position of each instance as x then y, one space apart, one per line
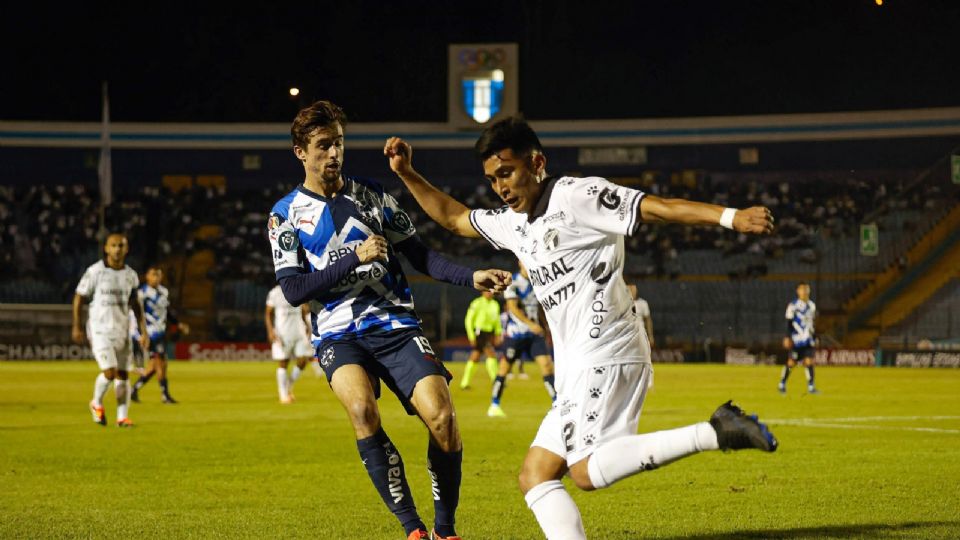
123 375
364 415
581 478
110 373
440 422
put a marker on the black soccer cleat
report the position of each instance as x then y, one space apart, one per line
736 431
169 400
135 396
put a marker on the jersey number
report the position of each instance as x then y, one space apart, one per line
424 345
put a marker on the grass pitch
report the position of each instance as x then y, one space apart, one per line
876 455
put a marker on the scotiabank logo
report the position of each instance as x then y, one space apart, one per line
218 351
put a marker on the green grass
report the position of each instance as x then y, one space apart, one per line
229 462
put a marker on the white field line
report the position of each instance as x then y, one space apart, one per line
845 423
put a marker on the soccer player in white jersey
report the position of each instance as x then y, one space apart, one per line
569 234
335 242
288 334
157 312
110 287
524 336
801 339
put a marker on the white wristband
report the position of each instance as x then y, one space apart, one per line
726 218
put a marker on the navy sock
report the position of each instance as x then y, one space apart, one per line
164 388
786 375
498 385
385 467
144 379
445 474
551 388
810 375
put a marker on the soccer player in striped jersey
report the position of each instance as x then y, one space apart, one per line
156 307
335 242
801 339
525 336
569 233
110 286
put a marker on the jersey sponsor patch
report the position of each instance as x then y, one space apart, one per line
288 241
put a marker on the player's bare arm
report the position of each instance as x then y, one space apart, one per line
754 220
268 320
442 208
513 306
137 308
77 331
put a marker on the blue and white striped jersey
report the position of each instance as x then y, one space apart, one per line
800 315
309 232
156 304
521 290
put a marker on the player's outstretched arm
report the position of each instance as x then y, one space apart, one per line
754 220
137 308
442 208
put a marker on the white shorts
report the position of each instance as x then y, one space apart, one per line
112 352
603 404
289 347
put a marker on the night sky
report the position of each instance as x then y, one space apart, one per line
386 61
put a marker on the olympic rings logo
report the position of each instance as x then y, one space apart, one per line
482 58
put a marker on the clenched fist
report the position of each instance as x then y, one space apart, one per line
754 220
372 249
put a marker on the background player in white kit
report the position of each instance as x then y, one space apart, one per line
801 339
524 336
287 331
110 287
569 234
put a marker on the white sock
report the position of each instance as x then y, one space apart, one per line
123 390
282 382
557 514
626 456
294 375
806 371
100 388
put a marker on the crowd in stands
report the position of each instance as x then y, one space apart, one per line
51 232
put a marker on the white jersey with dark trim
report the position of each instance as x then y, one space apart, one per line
109 292
521 290
801 315
287 319
572 246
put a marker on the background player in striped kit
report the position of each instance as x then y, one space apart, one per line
524 337
801 338
109 285
289 338
156 307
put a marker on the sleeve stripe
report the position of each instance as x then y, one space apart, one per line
635 213
482 233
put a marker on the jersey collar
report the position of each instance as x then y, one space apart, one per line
303 189
544 201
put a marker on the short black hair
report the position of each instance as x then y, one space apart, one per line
512 132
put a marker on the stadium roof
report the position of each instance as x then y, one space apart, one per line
386 61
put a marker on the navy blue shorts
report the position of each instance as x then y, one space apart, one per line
400 359
531 347
156 347
799 353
